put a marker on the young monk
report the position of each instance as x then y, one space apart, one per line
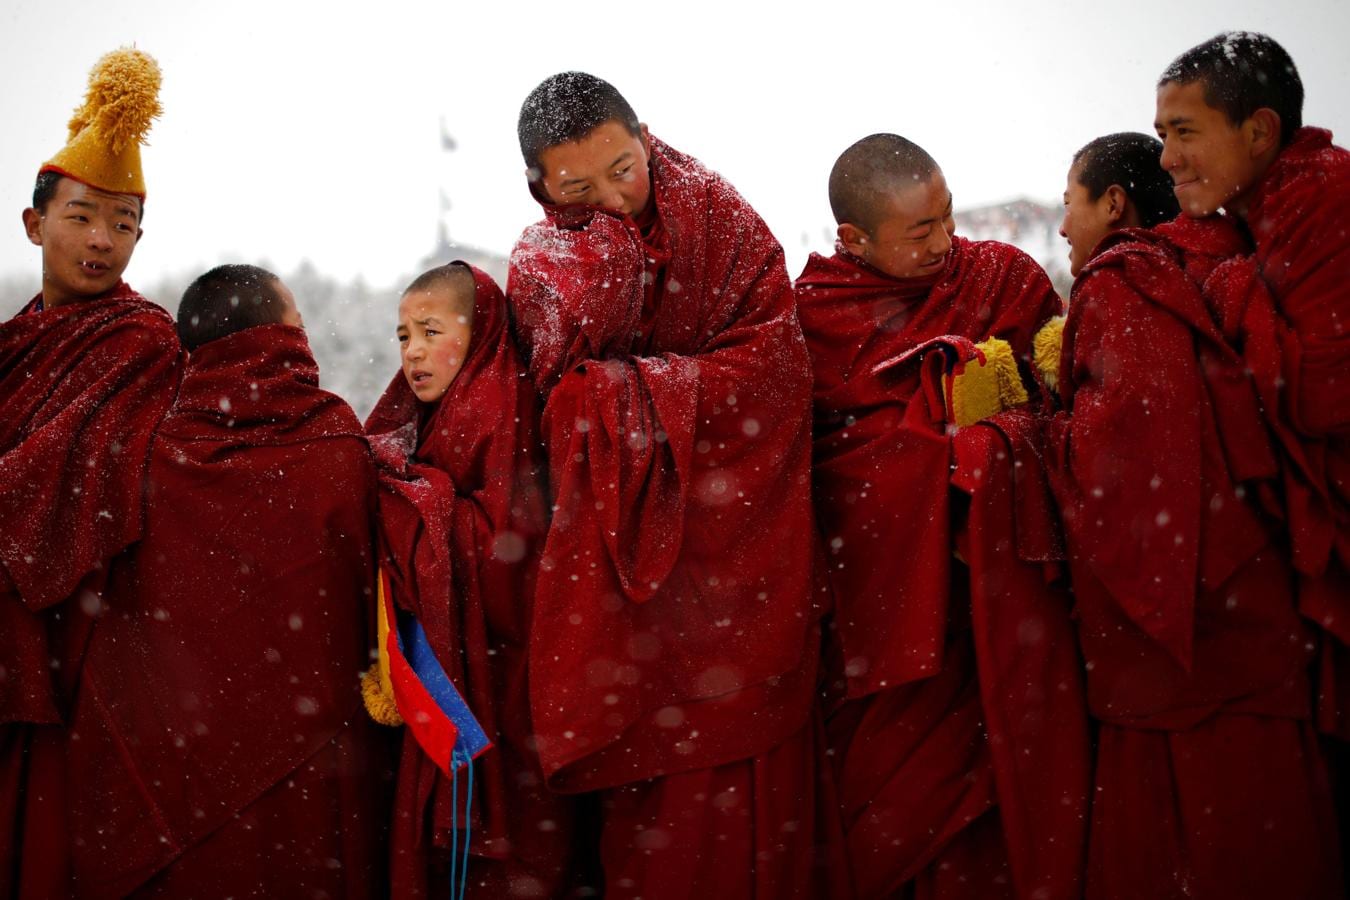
1209 781
217 742
929 804
462 520
673 659
1230 113
87 369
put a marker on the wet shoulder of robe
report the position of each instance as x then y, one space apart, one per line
228 653
82 387
675 627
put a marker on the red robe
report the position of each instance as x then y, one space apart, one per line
1209 782
1297 341
218 740
82 387
462 521
675 629
920 658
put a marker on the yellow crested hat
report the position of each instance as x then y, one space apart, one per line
106 132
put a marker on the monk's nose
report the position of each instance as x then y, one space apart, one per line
98 238
1170 158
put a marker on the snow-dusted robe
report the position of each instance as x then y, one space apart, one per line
675 645
82 386
1209 780
217 740
926 657
462 519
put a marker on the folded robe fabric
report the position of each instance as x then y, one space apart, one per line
674 621
1186 610
462 519
874 477
82 387
228 649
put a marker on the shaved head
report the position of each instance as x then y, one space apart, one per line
454 281
868 176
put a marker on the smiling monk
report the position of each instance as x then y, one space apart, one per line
929 804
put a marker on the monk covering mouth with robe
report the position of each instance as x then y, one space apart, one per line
925 657
1209 779
462 521
673 657
218 742
87 369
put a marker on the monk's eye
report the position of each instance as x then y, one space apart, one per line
624 171
403 339
431 331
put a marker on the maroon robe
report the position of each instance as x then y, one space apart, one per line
82 387
676 633
922 661
218 742
462 521
1209 782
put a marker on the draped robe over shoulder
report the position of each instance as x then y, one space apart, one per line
676 634
82 387
1208 779
925 657
217 737
462 519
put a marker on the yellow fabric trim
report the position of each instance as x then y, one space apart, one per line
377 690
1046 351
980 391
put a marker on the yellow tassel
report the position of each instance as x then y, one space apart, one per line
1045 351
123 98
980 391
379 705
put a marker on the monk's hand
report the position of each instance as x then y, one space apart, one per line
982 388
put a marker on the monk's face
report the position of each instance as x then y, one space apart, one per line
433 338
1086 221
606 168
915 231
1214 164
87 237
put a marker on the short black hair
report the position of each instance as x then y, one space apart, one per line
1134 162
566 107
228 299
871 171
44 189
456 279
1243 71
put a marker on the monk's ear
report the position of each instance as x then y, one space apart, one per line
646 138
1117 206
32 225
1263 129
853 239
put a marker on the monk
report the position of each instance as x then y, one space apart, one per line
87 369
217 745
1209 780
916 653
462 522
675 646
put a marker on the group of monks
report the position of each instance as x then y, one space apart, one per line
658 575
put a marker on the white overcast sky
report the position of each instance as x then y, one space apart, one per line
305 130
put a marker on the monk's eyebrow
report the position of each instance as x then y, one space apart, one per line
429 320
82 204
922 222
622 157
126 211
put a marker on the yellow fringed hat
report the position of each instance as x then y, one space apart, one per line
106 132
